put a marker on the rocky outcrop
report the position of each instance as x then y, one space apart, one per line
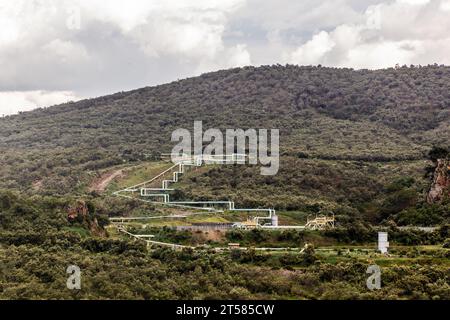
440 187
79 212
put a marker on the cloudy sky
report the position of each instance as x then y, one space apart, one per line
53 51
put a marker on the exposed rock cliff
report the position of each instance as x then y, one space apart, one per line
79 212
441 182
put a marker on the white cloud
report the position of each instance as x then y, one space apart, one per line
13 101
445 5
237 56
66 51
118 45
414 2
314 50
402 31
368 54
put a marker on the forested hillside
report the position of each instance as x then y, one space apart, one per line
391 114
365 145
37 243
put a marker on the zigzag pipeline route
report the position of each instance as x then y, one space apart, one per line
148 193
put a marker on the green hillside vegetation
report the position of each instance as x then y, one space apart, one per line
391 114
37 243
374 192
361 144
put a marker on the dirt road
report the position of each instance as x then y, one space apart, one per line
100 184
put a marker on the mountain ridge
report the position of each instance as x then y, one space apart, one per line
331 113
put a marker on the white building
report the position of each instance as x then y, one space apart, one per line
383 243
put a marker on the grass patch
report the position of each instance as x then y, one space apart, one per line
81 231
